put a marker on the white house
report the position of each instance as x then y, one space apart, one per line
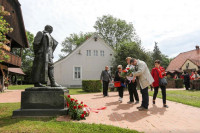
86 62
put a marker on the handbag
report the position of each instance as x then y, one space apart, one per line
162 81
117 84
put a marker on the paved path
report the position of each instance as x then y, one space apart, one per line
10 96
178 118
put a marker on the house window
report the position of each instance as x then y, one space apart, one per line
95 52
88 52
77 72
102 53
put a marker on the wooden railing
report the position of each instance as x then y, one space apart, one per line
13 59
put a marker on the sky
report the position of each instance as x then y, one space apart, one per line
174 24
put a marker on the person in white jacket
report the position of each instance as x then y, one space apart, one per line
145 80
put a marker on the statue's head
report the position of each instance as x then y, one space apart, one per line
48 28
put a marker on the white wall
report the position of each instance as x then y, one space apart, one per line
91 65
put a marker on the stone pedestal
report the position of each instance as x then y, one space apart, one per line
42 101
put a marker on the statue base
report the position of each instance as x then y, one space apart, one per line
42 101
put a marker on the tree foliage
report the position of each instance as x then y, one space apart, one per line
4 29
72 42
157 55
115 31
27 57
131 49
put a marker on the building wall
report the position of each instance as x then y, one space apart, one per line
91 66
191 65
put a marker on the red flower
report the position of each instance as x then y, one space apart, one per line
127 68
84 112
76 101
82 116
68 96
124 71
81 102
79 106
67 104
72 99
74 107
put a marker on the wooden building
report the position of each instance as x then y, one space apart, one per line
18 40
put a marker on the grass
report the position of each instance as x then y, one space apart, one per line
19 87
48 125
72 91
182 96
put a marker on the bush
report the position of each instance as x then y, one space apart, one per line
179 83
91 85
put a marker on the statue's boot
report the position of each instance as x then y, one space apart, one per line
51 78
55 85
38 85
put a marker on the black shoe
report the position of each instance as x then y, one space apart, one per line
55 85
166 106
154 102
130 102
142 109
139 107
137 102
38 85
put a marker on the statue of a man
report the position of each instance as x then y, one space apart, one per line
44 45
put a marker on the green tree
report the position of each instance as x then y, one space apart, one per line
115 31
72 42
131 49
157 55
4 29
27 57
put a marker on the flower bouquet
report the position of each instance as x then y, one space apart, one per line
127 72
77 111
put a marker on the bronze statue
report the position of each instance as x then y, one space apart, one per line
44 45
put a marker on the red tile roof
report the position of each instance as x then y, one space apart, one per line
178 61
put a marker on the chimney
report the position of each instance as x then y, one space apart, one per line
197 47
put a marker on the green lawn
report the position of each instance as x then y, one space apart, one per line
182 96
48 125
72 91
19 87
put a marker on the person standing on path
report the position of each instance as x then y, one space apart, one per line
186 80
121 80
145 80
105 79
157 73
132 86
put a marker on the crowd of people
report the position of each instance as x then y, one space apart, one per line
141 78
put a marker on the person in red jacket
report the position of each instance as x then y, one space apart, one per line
157 72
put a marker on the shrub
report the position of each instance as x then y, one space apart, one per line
91 85
179 83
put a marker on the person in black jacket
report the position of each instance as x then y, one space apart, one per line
122 80
186 80
105 79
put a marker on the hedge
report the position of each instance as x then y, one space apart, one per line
91 85
179 83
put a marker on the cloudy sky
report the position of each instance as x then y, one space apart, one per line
174 24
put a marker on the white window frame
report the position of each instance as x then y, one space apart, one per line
102 53
95 52
88 52
74 73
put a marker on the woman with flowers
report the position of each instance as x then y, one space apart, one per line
158 72
119 78
132 87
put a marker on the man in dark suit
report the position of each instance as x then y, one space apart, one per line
186 80
105 79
